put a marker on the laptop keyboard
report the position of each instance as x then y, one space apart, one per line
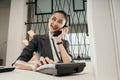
6 69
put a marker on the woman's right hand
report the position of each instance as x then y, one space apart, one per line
42 61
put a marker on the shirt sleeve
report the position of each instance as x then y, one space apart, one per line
66 45
27 52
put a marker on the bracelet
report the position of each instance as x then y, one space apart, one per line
58 43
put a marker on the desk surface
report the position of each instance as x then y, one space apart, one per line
30 75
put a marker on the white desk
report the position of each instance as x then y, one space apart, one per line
30 75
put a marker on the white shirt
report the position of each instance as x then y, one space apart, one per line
52 47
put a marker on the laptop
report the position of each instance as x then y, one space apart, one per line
61 69
6 69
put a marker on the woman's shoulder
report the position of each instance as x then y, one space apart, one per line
64 40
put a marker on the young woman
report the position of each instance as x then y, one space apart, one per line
50 49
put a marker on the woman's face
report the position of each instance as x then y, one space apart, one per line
56 22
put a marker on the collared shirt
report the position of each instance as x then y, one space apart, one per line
53 49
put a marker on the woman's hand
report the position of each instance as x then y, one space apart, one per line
42 61
64 31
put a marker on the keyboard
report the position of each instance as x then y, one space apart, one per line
6 69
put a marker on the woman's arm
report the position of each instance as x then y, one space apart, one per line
19 64
65 56
26 55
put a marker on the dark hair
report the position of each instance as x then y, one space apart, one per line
65 15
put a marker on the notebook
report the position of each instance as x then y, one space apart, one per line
6 69
61 69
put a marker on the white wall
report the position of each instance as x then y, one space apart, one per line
17 28
103 39
4 21
116 18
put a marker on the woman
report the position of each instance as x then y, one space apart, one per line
50 49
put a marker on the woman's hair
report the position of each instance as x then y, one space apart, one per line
64 13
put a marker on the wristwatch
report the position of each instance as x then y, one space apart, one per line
58 43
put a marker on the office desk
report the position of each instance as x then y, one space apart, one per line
30 75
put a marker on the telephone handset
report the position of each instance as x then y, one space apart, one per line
58 32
